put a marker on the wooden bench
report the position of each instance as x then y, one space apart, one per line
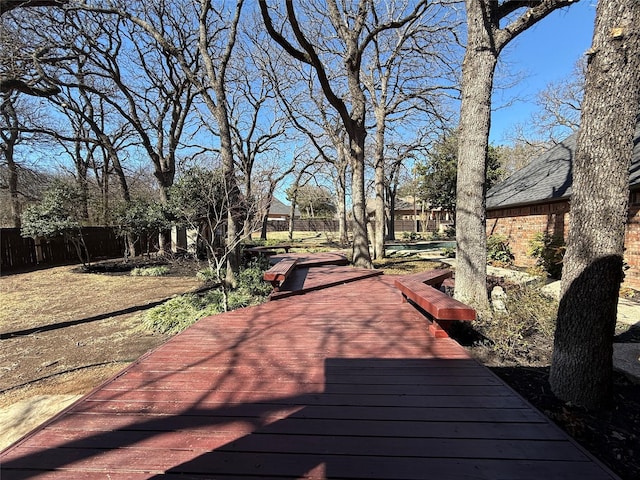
279 272
265 251
423 290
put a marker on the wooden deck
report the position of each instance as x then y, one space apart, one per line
343 382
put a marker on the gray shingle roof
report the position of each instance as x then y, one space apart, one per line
549 177
279 208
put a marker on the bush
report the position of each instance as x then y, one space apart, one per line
411 236
207 275
181 312
157 271
548 250
250 278
450 232
498 251
529 315
433 236
449 252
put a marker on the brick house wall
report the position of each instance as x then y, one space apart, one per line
520 224
632 243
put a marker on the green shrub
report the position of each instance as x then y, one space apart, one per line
498 251
207 275
157 271
450 232
548 250
250 278
181 312
411 236
449 252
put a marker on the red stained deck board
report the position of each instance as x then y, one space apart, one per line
342 382
310 260
280 270
304 280
435 302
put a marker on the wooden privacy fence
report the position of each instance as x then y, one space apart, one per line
304 225
331 225
18 253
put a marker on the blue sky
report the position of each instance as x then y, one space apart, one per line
546 52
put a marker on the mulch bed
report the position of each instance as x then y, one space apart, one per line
612 435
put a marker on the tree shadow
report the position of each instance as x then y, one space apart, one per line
374 418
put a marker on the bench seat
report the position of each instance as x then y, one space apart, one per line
279 272
423 290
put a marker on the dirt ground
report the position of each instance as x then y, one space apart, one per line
63 333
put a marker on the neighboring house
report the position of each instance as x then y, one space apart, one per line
183 239
279 212
537 199
416 216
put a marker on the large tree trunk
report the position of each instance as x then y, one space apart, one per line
234 214
13 187
475 118
581 369
341 195
379 232
164 237
292 216
390 218
361 254
485 40
9 139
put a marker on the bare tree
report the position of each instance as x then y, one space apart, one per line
397 157
19 113
557 114
581 370
310 114
408 73
10 136
8 5
269 177
124 66
258 124
23 62
96 142
304 174
486 38
355 28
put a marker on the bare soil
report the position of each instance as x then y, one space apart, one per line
64 332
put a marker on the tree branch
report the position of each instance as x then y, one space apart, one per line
8 5
527 19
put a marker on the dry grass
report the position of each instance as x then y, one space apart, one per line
405 265
61 294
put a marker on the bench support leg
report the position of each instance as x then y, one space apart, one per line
437 330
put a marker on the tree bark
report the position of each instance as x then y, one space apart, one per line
13 187
380 230
341 182
391 224
485 41
10 138
360 250
475 119
581 371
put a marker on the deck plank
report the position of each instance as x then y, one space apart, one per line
344 382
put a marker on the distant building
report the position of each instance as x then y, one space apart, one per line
416 216
279 212
537 198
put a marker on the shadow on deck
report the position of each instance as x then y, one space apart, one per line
344 382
